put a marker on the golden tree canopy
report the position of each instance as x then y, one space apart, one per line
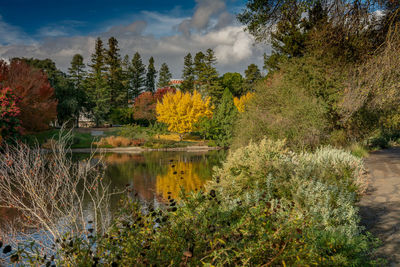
181 111
241 102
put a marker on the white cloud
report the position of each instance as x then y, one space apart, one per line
204 11
12 35
156 35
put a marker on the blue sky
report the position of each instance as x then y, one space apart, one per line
80 16
164 29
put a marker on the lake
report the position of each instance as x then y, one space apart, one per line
152 175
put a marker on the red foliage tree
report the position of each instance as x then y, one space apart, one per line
159 94
36 97
9 112
145 104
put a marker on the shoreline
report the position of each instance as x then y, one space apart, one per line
137 150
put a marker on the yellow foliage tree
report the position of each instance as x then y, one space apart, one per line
181 111
241 102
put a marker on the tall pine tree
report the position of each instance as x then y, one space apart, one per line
188 74
137 76
252 75
198 67
77 76
220 127
97 85
164 77
207 80
114 74
126 77
151 76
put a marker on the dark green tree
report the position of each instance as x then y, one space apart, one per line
207 80
252 75
97 86
77 75
126 76
234 82
115 74
188 74
220 127
137 75
198 67
151 76
165 76
209 77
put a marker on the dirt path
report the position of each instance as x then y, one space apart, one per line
380 208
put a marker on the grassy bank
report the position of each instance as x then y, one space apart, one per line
126 136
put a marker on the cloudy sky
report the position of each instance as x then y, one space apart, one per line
165 29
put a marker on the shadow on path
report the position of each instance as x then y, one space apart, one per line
380 207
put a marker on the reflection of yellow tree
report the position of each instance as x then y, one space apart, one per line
123 158
180 174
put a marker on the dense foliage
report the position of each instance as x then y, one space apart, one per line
181 111
9 112
331 75
221 126
145 104
265 205
37 103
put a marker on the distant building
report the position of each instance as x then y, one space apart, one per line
85 120
176 82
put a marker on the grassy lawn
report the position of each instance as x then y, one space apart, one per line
127 136
79 139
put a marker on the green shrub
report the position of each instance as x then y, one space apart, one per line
358 150
286 106
265 205
162 143
121 116
132 131
220 127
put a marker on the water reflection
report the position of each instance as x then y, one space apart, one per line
155 174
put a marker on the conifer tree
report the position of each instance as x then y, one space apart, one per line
137 76
207 80
188 74
97 85
77 72
214 88
164 76
114 74
252 75
126 79
220 128
198 67
77 76
151 76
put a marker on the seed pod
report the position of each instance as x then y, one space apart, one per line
188 254
212 193
7 249
14 258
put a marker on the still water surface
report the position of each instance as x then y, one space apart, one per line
154 175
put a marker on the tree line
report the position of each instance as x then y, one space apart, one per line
104 88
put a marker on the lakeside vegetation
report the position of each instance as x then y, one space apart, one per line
286 194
